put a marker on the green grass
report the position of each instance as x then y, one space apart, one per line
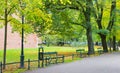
13 55
15 71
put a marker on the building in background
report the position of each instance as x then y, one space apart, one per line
14 39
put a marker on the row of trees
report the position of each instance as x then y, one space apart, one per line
65 18
98 15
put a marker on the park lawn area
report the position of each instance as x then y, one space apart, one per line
13 55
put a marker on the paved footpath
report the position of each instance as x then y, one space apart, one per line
106 63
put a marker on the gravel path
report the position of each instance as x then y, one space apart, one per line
106 63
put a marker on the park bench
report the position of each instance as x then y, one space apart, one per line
50 58
99 50
80 52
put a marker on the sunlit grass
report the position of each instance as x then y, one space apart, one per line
13 55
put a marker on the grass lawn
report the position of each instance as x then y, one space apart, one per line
13 55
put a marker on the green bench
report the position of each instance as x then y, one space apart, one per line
99 50
51 58
80 52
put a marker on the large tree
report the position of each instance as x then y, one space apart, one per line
87 22
98 12
84 7
112 21
7 8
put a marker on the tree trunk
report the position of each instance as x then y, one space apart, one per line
89 28
90 41
5 39
104 43
119 43
114 43
110 44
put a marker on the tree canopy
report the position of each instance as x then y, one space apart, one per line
67 19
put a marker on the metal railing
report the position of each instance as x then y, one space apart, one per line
0 67
29 63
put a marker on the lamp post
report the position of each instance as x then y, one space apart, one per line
22 5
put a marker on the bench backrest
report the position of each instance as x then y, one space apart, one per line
99 48
80 50
47 54
50 53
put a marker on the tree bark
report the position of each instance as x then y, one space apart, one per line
112 22
104 43
89 28
114 43
110 44
90 41
103 37
5 37
98 16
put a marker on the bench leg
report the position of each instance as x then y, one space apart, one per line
63 59
43 63
46 62
80 54
56 60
